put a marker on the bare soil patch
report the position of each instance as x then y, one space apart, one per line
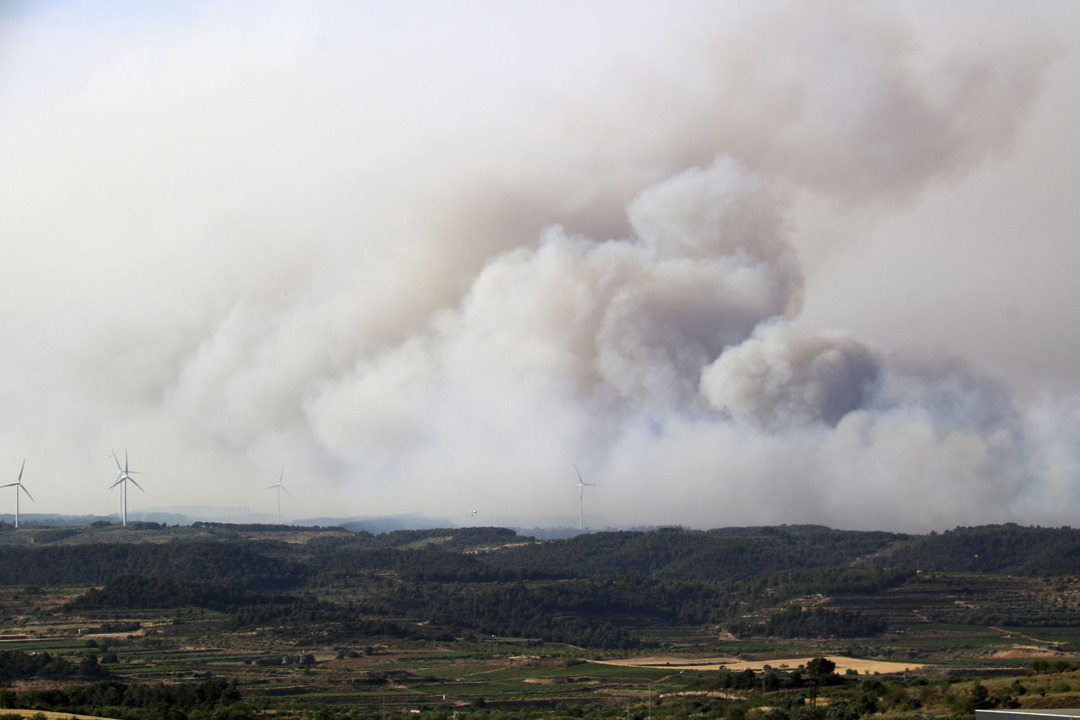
49 715
843 664
1025 651
674 661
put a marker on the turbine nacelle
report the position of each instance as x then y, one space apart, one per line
279 486
581 485
21 487
123 475
18 483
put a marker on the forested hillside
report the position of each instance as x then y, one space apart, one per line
601 590
999 549
677 554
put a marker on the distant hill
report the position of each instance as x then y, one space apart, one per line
605 590
671 553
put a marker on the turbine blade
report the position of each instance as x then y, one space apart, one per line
21 487
270 487
136 484
117 461
578 474
21 470
9 485
118 481
286 491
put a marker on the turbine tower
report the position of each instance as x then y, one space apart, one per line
280 485
123 477
19 486
581 485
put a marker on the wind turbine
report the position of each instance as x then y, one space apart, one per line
581 485
280 485
19 486
123 477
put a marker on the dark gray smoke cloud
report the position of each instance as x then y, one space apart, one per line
432 266
777 380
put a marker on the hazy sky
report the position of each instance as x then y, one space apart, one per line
741 262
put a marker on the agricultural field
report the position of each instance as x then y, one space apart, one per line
234 622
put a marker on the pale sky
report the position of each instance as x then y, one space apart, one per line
742 263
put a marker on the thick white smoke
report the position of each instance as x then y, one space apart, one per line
431 267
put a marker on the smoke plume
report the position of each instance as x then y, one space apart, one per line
430 266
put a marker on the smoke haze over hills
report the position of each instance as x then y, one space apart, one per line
743 263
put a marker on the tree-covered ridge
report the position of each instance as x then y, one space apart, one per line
421 565
498 553
697 555
1004 549
456 539
599 590
158 591
244 564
